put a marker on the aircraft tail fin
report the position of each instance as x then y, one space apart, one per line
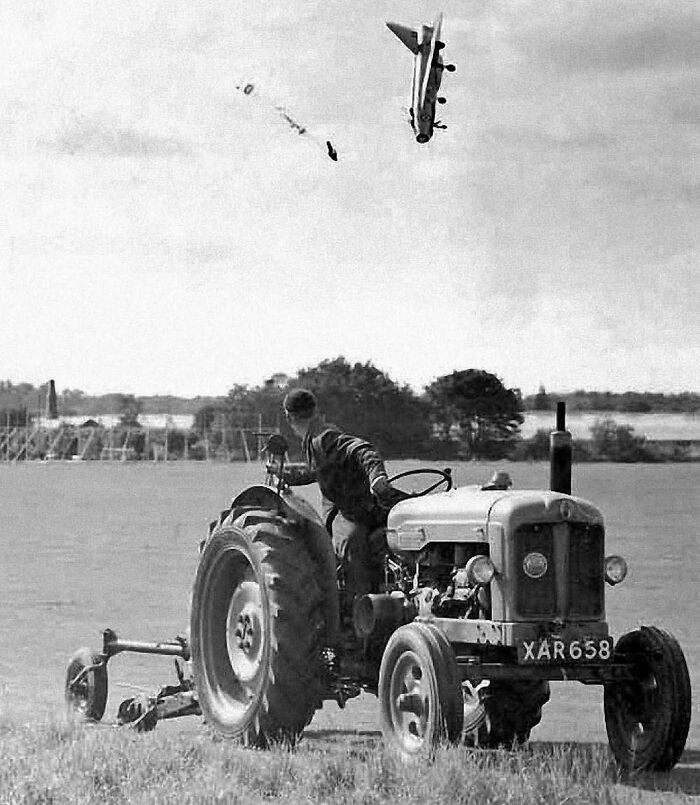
407 35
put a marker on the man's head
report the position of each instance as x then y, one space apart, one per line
300 407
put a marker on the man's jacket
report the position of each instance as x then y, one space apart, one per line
344 466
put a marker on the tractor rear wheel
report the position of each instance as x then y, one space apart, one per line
420 692
647 719
255 628
511 708
86 684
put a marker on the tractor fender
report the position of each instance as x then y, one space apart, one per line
260 496
286 504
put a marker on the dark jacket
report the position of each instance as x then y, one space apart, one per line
344 467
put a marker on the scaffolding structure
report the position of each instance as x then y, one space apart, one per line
61 441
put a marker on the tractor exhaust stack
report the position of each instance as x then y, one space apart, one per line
560 454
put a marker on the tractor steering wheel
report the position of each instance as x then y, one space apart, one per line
445 478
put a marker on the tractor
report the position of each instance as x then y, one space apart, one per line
489 593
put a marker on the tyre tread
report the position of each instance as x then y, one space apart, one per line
664 657
289 691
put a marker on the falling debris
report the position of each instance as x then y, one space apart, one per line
250 89
296 126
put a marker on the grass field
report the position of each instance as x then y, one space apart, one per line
61 762
86 546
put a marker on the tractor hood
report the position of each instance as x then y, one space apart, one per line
465 514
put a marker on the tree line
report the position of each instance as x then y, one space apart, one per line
25 397
637 402
467 414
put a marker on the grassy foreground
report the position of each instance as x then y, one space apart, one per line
63 762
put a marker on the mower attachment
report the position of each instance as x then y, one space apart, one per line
86 684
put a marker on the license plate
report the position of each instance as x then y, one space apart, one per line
555 650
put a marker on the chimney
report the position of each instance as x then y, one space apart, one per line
52 402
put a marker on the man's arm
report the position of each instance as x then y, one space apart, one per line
387 495
368 459
352 448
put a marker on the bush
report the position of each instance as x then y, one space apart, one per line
535 448
613 442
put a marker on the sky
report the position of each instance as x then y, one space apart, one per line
163 233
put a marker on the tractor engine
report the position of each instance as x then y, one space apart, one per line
439 580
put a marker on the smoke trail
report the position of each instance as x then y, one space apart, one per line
250 90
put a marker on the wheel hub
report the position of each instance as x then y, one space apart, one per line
410 702
245 631
637 702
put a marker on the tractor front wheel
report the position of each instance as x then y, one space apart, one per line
420 692
647 718
255 626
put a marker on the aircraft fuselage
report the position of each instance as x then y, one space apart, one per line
427 74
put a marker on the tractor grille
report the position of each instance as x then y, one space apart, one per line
586 582
535 596
573 586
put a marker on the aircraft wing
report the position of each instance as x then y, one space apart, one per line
407 35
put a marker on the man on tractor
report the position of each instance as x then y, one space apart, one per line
356 493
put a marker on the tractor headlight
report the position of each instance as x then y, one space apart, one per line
535 565
615 569
480 570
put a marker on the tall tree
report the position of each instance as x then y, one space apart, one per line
478 409
613 442
365 401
